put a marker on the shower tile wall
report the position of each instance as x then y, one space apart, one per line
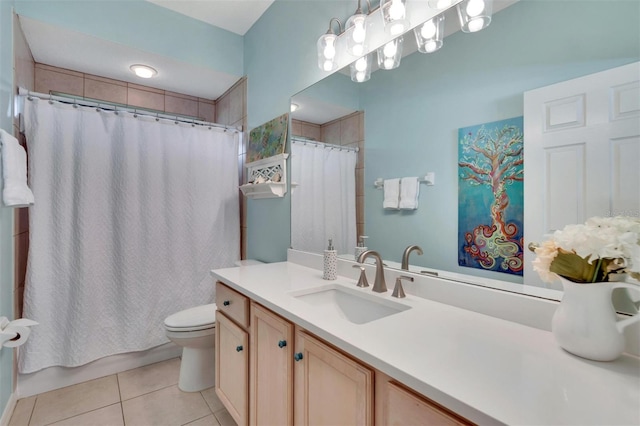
345 131
231 109
54 79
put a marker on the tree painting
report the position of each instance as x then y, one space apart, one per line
490 196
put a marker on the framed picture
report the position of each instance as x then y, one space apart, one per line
268 139
490 196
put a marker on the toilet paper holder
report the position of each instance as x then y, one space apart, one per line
15 333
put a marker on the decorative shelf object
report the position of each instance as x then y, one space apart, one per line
267 178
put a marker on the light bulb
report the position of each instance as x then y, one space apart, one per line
441 4
428 29
475 25
329 49
357 50
360 75
396 10
390 49
328 65
475 7
388 63
430 46
359 32
361 64
396 29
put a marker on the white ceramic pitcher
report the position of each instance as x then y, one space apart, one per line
586 324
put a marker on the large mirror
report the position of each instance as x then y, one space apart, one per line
405 121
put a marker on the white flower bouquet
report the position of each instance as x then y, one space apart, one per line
598 250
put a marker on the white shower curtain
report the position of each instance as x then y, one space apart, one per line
130 216
323 204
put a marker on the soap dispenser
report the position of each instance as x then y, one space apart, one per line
360 247
330 262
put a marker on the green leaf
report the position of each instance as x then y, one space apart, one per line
573 267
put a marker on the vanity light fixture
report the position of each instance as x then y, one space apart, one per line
390 54
395 16
361 69
474 14
357 37
143 71
429 35
327 48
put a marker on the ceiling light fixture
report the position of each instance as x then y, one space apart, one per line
143 71
294 107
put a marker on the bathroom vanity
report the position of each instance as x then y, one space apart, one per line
294 348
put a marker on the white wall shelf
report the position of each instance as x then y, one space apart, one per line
267 178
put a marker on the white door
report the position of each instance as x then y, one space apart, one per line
581 153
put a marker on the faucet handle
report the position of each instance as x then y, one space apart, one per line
362 281
398 291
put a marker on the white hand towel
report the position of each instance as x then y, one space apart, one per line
15 192
409 192
391 193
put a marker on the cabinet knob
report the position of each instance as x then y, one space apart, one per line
226 303
282 343
298 356
239 348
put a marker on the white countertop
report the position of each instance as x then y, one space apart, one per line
486 369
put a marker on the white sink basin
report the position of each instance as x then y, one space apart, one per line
353 305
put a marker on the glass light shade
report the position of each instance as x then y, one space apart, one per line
390 54
440 4
327 52
395 16
474 14
143 71
357 34
429 35
361 69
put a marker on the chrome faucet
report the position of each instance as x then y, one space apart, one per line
405 256
379 285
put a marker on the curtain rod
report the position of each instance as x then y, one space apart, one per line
322 144
109 106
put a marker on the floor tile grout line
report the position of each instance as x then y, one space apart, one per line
120 395
83 413
32 410
147 393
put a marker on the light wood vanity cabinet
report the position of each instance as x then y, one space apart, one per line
271 369
330 387
271 372
232 352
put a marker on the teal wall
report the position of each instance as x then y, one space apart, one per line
474 79
6 214
145 26
280 60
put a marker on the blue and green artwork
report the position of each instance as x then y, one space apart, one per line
268 139
490 196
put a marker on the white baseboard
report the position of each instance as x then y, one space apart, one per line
8 409
58 377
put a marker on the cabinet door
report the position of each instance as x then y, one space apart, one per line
232 367
271 381
330 388
403 407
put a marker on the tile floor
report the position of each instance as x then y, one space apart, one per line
145 396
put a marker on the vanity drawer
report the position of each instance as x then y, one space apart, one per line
233 304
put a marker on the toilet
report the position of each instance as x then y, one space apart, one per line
194 329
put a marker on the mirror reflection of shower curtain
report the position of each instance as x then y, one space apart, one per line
323 205
130 217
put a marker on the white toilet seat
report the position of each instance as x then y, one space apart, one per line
192 319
